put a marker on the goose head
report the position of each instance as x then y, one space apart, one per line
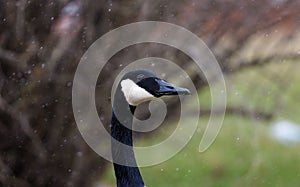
143 85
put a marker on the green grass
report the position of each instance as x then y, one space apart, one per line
243 153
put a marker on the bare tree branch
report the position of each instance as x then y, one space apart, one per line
254 114
276 58
12 59
23 121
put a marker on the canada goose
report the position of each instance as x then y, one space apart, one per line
134 88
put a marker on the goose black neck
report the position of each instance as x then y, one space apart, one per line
126 176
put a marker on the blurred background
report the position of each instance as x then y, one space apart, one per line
257 45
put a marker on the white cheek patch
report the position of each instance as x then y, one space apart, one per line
134 94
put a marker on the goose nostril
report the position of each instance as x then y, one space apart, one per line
171 87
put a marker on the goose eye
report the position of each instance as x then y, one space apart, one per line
140 77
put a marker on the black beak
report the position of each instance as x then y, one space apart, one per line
169 89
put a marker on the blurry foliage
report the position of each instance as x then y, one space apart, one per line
41 42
